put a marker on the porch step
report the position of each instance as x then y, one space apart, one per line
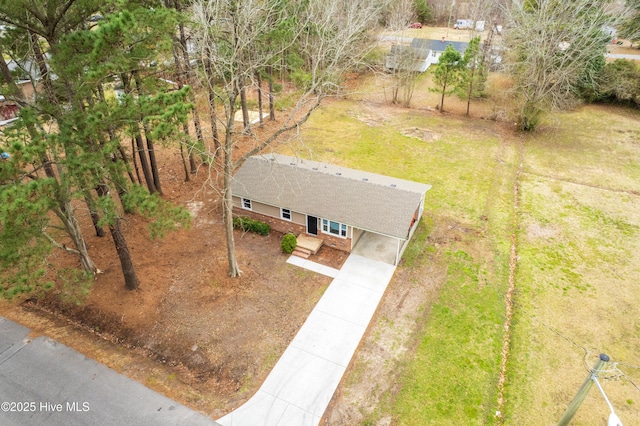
309 243
301 252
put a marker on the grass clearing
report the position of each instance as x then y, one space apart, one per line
577 272
578 228
452 377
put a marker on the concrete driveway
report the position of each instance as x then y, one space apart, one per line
43 382
302 383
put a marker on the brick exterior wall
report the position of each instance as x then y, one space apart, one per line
343 244
285 226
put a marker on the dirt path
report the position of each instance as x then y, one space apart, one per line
513 264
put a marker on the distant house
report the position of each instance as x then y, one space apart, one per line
336 204
420 54
8 111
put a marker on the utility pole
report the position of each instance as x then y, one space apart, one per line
453 2
583 391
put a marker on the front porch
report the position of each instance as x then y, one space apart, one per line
307 245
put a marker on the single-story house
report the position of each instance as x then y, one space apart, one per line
420 54
407 58
335 204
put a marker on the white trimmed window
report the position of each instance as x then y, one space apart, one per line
334 228
285 214
246 203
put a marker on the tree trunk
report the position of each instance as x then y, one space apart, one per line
189 72
183 71
125 159
141 150
119 181
135 163
128 270
150 148
184 163
213 116
245 111
227 200
65 213
259 80
67 216
179 75
396 88
152 159
470 90
272 105
130 278
144 163
95 218
444 89
42 67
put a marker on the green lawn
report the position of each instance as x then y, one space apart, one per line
577 226
578 271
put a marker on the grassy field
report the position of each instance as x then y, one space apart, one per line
578 269
576 229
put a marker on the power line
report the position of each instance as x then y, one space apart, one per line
625 376
628 365
588 353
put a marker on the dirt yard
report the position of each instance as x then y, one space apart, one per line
189 331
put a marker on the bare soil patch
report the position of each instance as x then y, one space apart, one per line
425 135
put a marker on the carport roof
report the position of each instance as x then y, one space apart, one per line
368 201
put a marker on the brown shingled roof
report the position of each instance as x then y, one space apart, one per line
364 200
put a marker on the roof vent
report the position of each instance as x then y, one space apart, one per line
365 179
393 185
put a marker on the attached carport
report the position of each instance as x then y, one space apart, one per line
378 247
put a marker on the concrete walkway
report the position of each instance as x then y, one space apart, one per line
313 266
43 382
302 383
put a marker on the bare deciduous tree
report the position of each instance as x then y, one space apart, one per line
400 14
233 38
554 49
405 62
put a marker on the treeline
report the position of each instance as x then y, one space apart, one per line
76 145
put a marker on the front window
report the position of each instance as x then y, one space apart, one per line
285 214
246 203
335 228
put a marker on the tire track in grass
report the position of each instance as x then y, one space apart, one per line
513 263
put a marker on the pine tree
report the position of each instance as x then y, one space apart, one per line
81 154
446 74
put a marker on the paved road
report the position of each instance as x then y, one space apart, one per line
43 382
622 56
302 383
